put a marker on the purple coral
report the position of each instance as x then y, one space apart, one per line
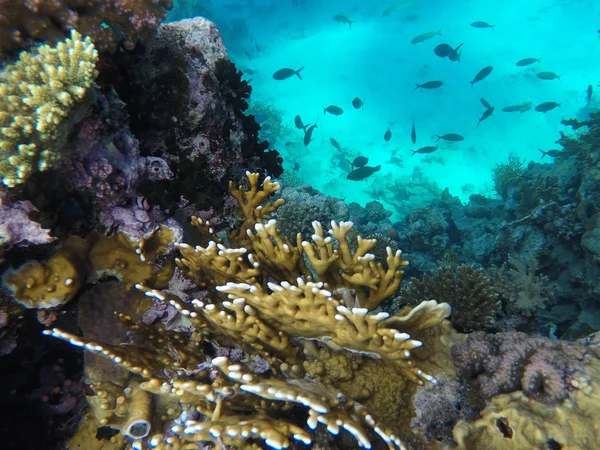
493 364
15 226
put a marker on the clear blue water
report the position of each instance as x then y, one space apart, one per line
375 60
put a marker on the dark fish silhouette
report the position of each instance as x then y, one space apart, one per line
487 113
429 85
480 24
336 145
485 103
454 54
518 108
413 134
548 76
452 137
483 73
589 93
552 153
299 124
527 61
341 18
427 149
547 106
387 135
443 50
358 103
362 172
308 134
284 74
359 161
333 110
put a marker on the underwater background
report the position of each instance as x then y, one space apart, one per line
299 224
373 59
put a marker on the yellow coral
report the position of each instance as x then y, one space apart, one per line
53 282
37 94
515 422
279 300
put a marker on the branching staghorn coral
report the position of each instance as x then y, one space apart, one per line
288 303
37 95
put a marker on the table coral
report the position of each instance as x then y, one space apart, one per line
285 302
38 94
107 22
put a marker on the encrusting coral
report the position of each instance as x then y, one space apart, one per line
558 406
306 309
38 93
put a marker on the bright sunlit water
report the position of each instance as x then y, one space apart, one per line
375 60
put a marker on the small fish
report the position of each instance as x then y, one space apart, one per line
552 153
413 134
425 36
299 124
308 134
442 50
547 106
548 76
296 166
480 24
429 85
249 71
395 160
359 161
487 113
247 53
589 92
483 73
387 135
395 7
362 172
427 149
289 144
336 145
527 61
341 18
518 108
485 103
257 47
454 54
333 110
284 74
452 137
358 103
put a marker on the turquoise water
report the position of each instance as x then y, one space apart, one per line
375 60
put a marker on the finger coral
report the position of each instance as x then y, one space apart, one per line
305 308
107 22
38 94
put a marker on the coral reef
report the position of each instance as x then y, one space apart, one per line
290 304
471 294
304 202
108 23
557 406
37 95
506 174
